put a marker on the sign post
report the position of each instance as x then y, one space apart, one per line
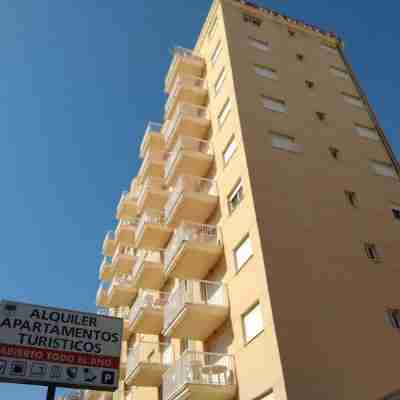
58 348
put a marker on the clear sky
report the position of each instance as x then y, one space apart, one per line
78 82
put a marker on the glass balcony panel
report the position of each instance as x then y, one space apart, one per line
195 309
153 194
186 120
190 156
148 271
121 291
106 270
125 232
192 251
127 208
197 376
187 89
109 244
152 231
147 314
152 165
123 260
102 299
152 139
147 362
192 199
183 62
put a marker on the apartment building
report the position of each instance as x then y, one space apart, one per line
256 254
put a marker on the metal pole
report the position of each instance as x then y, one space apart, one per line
51 392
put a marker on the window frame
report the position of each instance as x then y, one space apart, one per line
213 27
256 305
231 141
216 53
292 147
224 112
389 165
219 82
354 101
372 252
371 135
262 45
237 247
237 188
340 73
282 103
259 68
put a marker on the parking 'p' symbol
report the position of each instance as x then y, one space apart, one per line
108 377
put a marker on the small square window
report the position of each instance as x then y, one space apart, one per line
321 116
396 211
291 33
235 197
259 44
351 198
253 323
225 111
274 104
310 84
372 252
284 142
243 252
334 152
220 81
229 150
265 72
393 316
300 57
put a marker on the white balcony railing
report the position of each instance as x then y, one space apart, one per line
180 54
150 352
181 81
152 256
150 184
189 184
188 231
121 282
183 110
194 292
148 299
149 216
185 143
106 263
152 127
110 236
156 157
102 291
199 369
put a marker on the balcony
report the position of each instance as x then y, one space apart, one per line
193 250
153 194
102 299
190 156
125 232
187 89
152 165
121 292
195 309
187 120
127 208
184 62
197 376
148 271
152 140
193 199
109 244
147 314
152 232
123 260
106 270
147 362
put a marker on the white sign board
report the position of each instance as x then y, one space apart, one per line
42 345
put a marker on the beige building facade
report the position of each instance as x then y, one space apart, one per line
256 253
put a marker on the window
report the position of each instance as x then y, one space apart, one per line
366 132
351 198
265 72
259 44
252 20
235 197
300 57
310 84
220 80
396 211
253 323
393 316
284 142
329 49
334 152
216 53
268 395
383 169
274 104
223 114
212 28
340 73
243 252
321 116
291 33
353 100
229 150
372 252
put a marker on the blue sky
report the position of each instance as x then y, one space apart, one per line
78 82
